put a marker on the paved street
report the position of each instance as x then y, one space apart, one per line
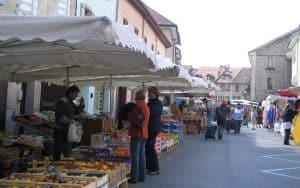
252 159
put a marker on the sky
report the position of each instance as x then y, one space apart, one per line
221 32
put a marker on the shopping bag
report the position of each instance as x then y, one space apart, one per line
277 126
75 132
282 130
296 130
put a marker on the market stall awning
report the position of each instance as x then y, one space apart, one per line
295 90
39 48
277 97
286 93
181 81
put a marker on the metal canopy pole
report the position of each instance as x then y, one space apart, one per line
68 76
111 95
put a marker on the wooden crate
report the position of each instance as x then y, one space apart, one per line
16 184
71 182
192 129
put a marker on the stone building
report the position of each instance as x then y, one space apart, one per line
240 85
270 67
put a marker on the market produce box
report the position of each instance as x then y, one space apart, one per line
107 125
100 139
101 178
192 129
12 184
40 181
90 126
113 170
123 167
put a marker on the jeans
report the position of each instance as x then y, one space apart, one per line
138 159
61 144
220 132
238 124
287 136
209 119
151 155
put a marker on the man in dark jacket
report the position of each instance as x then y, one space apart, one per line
287 117
65 114
156 108
123 114
221 114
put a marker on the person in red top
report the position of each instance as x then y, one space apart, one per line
138 139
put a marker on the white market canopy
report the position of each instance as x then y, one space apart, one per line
40 48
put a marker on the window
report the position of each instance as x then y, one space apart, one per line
125 21
269 84
85 10
269 62
136 31
152 47
2 2
63 7
236 97
223 87
27 7
237 88
145 40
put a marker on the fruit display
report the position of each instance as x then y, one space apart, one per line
43 180
83 166
9 153
122 153
167 120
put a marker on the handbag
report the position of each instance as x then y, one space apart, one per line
138 121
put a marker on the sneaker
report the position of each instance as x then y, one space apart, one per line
154 173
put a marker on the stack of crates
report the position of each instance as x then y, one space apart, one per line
177 127
165 127
158 145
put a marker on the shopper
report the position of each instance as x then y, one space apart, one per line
123 114
238 117
259 117
287 117
221 114
156 108
138 139
253 117
65 114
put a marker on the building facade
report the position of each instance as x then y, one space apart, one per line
270 67
26 97
38 7
294 55
233 83
133 13
240 85
171 31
